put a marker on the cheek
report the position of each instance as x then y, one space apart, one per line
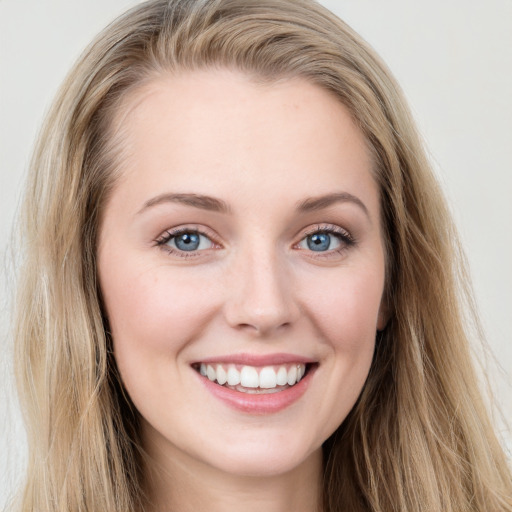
346 306
152 309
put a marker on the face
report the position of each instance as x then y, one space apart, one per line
242 267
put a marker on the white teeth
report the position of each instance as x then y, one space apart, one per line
249 377
233 376
282 376
292 375
210 373
221 375
266 378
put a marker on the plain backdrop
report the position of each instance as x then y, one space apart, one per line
454 61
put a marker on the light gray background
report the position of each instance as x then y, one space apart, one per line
454 60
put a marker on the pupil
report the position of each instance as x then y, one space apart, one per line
319 242
187 241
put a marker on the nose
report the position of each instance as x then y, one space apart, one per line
260 295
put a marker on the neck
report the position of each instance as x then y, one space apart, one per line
179 483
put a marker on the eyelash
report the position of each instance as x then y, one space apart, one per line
346 239
168 235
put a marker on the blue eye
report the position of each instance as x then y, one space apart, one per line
187 241
319 241
324 240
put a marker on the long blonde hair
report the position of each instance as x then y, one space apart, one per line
419 437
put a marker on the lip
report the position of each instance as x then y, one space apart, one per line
257 359
257 404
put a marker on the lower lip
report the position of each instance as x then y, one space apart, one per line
263 403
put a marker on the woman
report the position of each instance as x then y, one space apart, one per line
241 283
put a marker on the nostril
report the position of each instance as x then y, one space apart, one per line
263 328
260 300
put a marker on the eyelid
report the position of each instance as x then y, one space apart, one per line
343 234
162 240
328 228
346 238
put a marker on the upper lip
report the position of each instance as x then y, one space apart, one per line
257 359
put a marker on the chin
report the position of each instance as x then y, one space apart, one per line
264 459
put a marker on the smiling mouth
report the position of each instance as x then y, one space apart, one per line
253 379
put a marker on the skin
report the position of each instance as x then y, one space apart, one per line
254 286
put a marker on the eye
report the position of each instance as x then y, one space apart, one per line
326 239
185 240
320 242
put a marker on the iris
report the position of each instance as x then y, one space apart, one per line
319 241
187 241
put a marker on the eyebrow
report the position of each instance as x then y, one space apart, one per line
196 200
312 204
213 204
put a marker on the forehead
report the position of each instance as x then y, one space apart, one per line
212 129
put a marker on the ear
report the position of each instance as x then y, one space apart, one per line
383 315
